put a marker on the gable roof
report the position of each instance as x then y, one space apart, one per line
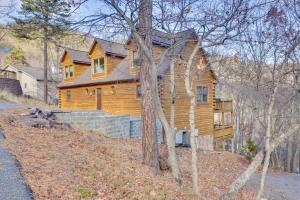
121 71
110 48
167 39
81 57
34 72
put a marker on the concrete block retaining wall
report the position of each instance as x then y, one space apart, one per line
136 128
123 126
113 125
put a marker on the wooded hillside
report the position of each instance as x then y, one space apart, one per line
33 49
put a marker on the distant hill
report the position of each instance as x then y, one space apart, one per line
33 49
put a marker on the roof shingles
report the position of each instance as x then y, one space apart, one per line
121 71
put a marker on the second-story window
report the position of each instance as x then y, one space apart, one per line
98 65
136 59
202 94
69 72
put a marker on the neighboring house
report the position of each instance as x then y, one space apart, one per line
107 78
31 80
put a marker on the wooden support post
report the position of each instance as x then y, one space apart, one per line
222 120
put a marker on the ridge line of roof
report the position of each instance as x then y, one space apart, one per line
108 41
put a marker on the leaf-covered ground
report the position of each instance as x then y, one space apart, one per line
73 164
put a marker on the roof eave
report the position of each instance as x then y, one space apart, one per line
97 83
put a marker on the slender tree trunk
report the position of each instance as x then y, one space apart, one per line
172 98
290 154
267 144
245 176
194 135
45 67
149 140
296 155
193 132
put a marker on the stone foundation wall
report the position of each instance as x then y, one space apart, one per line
125 126
113 125
136 128
11 85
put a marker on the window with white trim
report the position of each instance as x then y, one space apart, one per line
98 65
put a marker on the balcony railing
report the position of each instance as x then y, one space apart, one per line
223 105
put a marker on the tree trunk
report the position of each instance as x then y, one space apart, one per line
296 163
244 177
290 154
159 110
194 133
149 140
193 136
45 68
267 144
172 98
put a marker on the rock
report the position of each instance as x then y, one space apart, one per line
39 118
33 111
25 114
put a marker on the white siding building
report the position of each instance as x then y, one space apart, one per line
32 81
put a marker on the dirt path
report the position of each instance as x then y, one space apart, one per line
12 185
279 186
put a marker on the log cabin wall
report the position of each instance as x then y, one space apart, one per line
78 68
118 98
204 113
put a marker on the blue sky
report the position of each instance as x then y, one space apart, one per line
87 8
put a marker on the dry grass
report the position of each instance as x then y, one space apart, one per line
71 164
7 96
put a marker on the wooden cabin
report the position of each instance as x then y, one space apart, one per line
107 78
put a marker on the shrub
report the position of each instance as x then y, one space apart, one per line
84 192
251 149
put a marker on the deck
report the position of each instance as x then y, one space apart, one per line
223 119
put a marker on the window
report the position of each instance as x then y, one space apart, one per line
202 94
138 91
25 85
98 65
227 118
136 59
66 72
69 72
69 95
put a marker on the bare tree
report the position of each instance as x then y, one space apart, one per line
149 141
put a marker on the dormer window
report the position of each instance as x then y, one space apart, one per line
98 65
136 61
69 72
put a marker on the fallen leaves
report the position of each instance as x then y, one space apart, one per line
72 164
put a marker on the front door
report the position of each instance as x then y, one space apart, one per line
99 99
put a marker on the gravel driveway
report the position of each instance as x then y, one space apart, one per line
278 186
12 186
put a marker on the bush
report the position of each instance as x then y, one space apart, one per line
251 149
84 192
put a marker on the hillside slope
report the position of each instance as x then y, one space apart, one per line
33 49
71 164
